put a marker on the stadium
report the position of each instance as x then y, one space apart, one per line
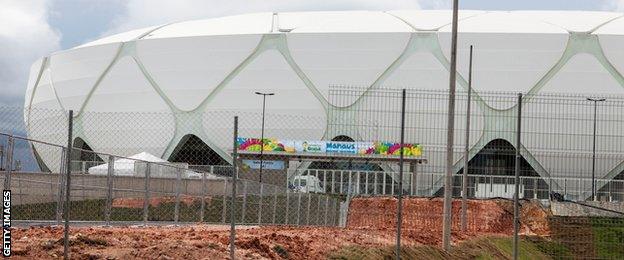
168 84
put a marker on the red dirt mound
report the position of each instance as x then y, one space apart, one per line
424 215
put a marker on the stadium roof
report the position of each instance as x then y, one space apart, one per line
396 21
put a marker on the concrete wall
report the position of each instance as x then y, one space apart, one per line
43 187
575 210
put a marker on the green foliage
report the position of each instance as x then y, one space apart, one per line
608 237
480 248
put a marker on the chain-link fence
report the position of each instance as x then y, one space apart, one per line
570 153
161 167
143 189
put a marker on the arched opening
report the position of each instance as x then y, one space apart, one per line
196 153
612 190
495 165
343 138
83 157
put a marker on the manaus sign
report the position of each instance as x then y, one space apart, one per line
304 146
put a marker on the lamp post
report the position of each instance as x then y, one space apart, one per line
264 95
448 183
595 100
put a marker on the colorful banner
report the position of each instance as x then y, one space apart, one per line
304 146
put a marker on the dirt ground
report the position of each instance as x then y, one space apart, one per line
423 214
370 224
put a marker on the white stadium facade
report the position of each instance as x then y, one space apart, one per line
192 77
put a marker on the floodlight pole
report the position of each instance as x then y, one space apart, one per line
448 189
262 131
464 206
595 100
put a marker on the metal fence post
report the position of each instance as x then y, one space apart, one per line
9 162
517 178
308 209
333 182
176 212
341 182
224 206
260 205
393 180
146 199
70 125
109 188
298 207
464 204
415 174
318 210
383 188
350 184
234 177
535 183
549 186
274 204
431 187
375 183
400 202
325 181
202 207
357 183
326 210
287 206
244 201
61 189
336 212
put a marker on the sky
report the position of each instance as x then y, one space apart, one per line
30 29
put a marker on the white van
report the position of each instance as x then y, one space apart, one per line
307 183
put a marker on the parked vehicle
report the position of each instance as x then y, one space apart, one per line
307 183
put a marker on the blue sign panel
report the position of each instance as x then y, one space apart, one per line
267 165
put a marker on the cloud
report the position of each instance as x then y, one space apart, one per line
25 36
614 5
143 13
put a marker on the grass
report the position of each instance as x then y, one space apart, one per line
94 210
608 237
481 248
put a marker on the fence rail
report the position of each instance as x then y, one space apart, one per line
479 186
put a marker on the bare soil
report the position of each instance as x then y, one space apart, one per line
424 214
371 224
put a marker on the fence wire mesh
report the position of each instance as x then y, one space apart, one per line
157 167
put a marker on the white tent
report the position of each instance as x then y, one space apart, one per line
129 167
125 166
